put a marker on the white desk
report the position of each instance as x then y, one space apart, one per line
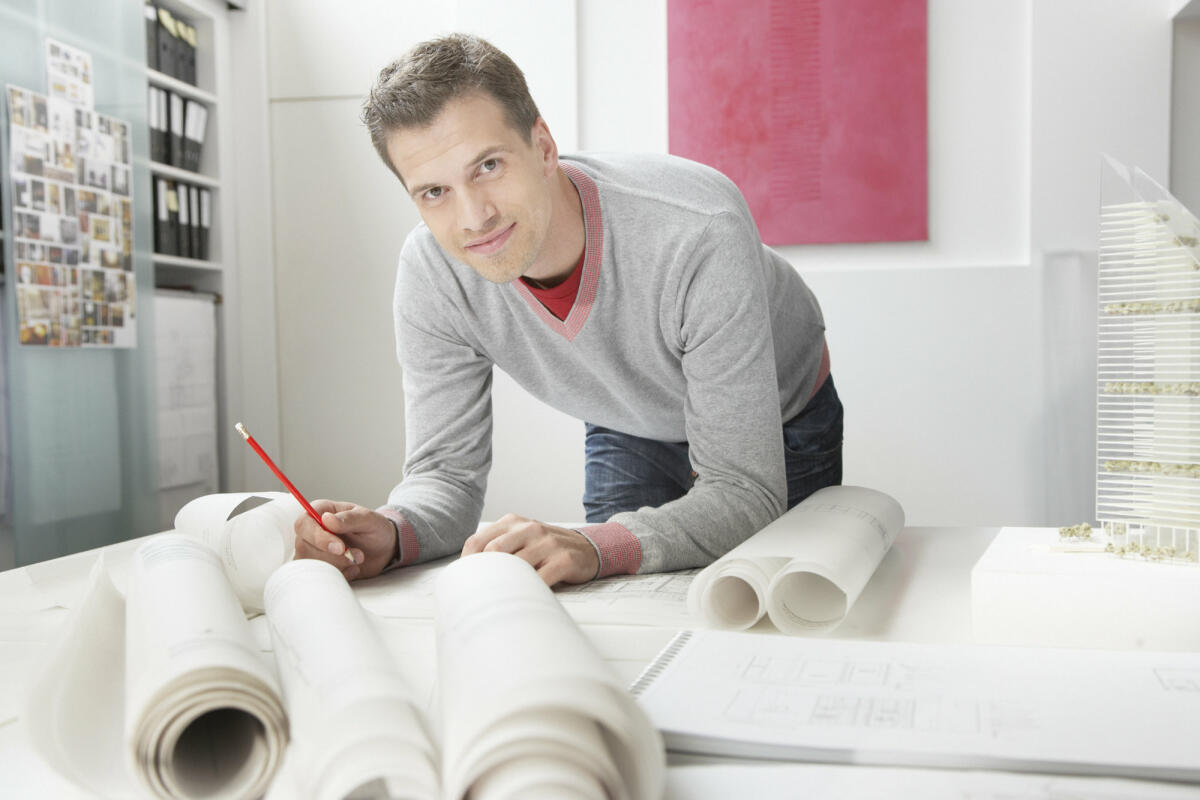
920 593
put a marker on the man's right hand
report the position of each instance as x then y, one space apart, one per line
367 535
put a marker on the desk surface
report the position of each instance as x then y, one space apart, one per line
920 593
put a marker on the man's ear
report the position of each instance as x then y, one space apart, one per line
546 146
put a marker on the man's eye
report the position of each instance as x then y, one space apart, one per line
434 193
489 165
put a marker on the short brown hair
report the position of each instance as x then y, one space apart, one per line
412 90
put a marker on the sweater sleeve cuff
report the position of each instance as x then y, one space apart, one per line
619 550
406 539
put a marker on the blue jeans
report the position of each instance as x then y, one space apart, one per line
624 472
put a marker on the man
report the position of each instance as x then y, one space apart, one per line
632 292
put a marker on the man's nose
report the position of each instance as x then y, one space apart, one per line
475 210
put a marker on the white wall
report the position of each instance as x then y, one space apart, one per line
340 218
1185 108
958 358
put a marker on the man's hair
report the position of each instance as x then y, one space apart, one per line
412 90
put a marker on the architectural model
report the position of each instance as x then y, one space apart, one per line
1148 351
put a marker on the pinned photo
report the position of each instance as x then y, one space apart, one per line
41 114
30 151
101 229
115 287
22 197
20 107
50 228
120 179
61 165
93 173
27 226
68 230
62 119
93 287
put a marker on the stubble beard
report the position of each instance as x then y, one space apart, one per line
506 266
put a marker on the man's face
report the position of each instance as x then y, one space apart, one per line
484 192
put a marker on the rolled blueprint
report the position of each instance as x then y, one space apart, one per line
251 532
528 707
805 569
203 714
356 731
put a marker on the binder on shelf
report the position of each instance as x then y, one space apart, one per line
173 215
194 198
195 126
205 222
151 14
164 230
187 35
157 117
167 36
176 132
179 46
183 239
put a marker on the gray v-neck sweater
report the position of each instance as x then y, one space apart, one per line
686 328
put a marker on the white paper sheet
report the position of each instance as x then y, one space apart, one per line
185 337
654 599
807 781
1132 714
529 709
805 569
658 599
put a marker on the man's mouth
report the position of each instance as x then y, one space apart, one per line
492 242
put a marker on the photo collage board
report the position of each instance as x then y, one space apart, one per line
72 228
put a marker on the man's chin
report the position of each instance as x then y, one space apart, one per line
493 272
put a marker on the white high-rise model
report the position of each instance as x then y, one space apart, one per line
1148 410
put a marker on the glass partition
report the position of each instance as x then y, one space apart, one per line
80 421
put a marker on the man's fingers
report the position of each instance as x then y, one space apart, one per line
509 542
312 533
321 506
349 518
479 541
553 569
305 549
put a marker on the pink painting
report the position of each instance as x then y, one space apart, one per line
815 108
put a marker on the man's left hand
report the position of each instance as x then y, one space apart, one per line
560 555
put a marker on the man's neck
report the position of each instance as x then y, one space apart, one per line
565 239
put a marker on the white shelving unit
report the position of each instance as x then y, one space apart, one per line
234 165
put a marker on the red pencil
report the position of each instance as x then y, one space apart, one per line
312 512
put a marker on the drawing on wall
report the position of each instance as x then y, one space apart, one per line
816 109
72 212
